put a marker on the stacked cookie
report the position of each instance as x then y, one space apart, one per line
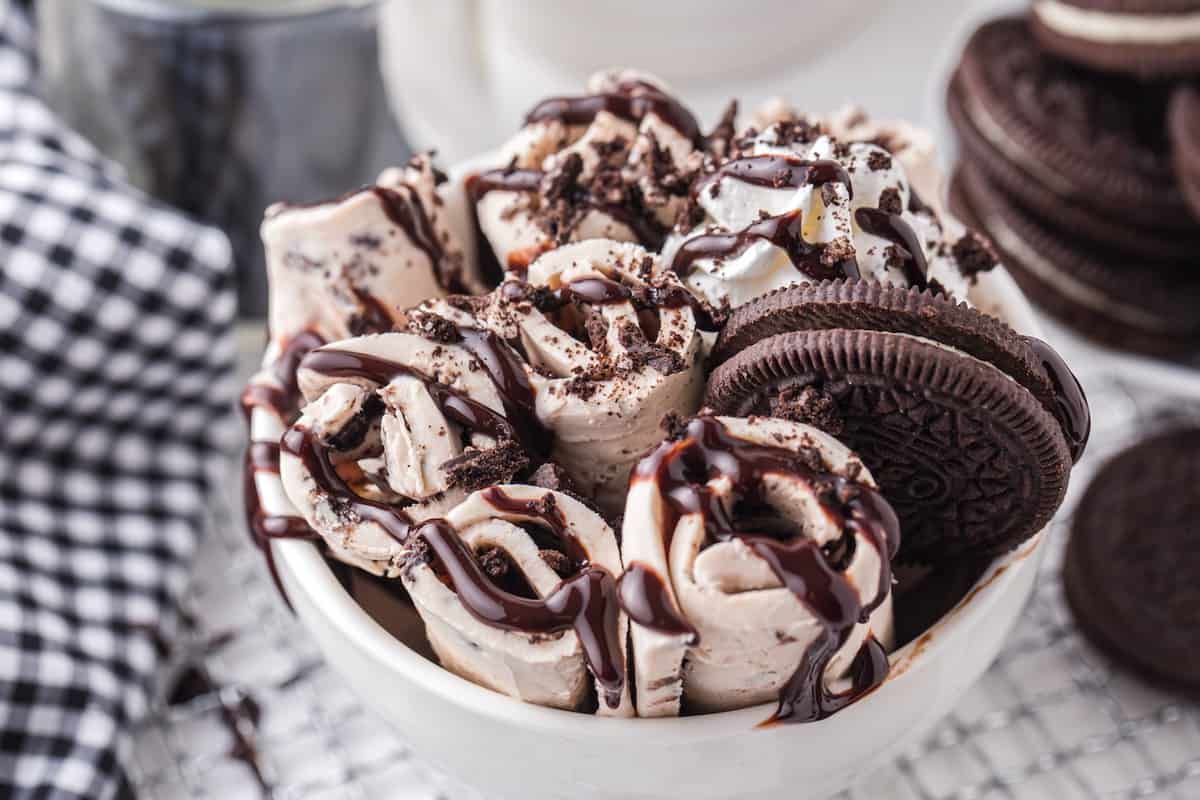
1079 142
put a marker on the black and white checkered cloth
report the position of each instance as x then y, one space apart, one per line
116 353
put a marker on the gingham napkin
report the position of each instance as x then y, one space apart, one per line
116 355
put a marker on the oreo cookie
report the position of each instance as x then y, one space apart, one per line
1146 38
1084 151
970 428
1183 126
1144 306
1132 565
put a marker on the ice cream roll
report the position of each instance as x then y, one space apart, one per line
757 555
610 343
403 424
351 266
517 588
614 163
795 203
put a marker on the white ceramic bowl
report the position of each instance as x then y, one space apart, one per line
509 749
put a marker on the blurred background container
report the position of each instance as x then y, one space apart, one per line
222 107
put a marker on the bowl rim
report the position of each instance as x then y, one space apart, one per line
305 570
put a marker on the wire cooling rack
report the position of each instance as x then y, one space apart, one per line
260 715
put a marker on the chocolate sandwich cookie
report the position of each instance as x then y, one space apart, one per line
1088 153
1132 566
1183 126
1147 38
969 427
1134 304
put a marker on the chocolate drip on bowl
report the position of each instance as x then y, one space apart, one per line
680 470
282 400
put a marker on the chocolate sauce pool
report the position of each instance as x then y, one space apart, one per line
680 470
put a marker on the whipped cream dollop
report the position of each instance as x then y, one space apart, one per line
352 265
757 555
610 343
795 203
614 163
1118 26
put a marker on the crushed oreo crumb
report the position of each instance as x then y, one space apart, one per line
557 561
643 353
973 254
811 406
434 328
674 426
479 468
837 251
889 201
879 160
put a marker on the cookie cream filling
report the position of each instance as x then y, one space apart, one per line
1115 28
988 127
1009 241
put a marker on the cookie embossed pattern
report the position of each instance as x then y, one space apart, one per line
562 509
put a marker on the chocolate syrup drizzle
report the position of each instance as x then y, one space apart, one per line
644 596
519 422
779 172
585 602
680 470
284 400
406 210
1070 403
599 291
783 231
632 101
893 228
646 229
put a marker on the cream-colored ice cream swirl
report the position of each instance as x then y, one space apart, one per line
614 163
757 555
352 265
546 566
406 421
610 344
